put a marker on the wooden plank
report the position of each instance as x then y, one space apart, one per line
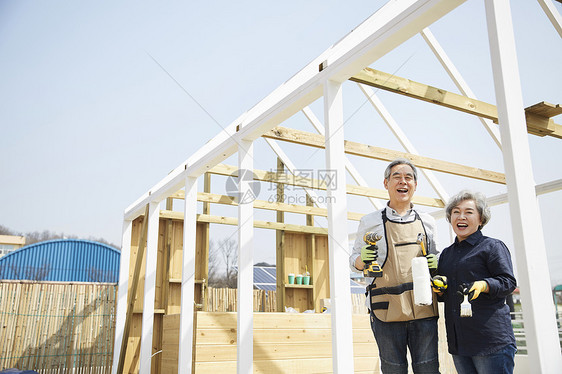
280 335
545 109
313 365
407 87
321 276
420 91
167 255
234 222
282 341
279 351
378 153
266 205
299 181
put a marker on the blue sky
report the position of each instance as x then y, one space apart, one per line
90 121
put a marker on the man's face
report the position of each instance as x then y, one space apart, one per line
401 184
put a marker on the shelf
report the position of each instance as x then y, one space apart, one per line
298 285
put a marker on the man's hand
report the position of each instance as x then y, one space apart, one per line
476 288
369 253
439 284
431 261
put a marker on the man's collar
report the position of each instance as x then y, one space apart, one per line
391 210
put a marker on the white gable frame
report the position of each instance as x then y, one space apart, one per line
392 25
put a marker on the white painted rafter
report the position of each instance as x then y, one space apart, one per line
458 80
552 14
402 138
309 114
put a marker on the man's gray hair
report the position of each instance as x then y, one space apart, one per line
400 161
479 200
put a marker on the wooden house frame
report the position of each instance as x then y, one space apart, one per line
349 59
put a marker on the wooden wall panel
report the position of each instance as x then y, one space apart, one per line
177 247
321 276
283 343
161 305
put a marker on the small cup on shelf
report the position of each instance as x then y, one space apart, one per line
291 278
298 278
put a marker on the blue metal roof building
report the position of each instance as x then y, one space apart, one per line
63 260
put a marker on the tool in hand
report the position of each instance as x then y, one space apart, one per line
466 308
421 242
431 258
476 288
372 268
439 283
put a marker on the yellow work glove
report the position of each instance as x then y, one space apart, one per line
369 253
431 261
439 283
476 288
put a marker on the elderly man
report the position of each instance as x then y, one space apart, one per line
396 321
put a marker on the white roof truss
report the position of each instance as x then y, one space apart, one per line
389 27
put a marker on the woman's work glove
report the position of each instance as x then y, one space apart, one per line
476 288
369 253
431 262
439 283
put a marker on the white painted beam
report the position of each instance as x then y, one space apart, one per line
122 292
309 114
340 294
145 357
245 332
459 81
188 277
541 331
552 14
402 138
389 27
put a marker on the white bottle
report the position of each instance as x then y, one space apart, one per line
422 281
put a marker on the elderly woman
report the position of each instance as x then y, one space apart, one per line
480 266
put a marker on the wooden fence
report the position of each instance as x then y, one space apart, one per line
224 300
57 327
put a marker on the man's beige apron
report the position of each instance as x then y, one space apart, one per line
392 295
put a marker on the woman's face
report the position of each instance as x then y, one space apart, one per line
465 219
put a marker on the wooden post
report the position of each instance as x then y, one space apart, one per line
279 243
133 290
310 252
245 329
340 293
147 330
167 253
541 333
188 277
205 240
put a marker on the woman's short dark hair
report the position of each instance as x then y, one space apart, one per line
479 200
